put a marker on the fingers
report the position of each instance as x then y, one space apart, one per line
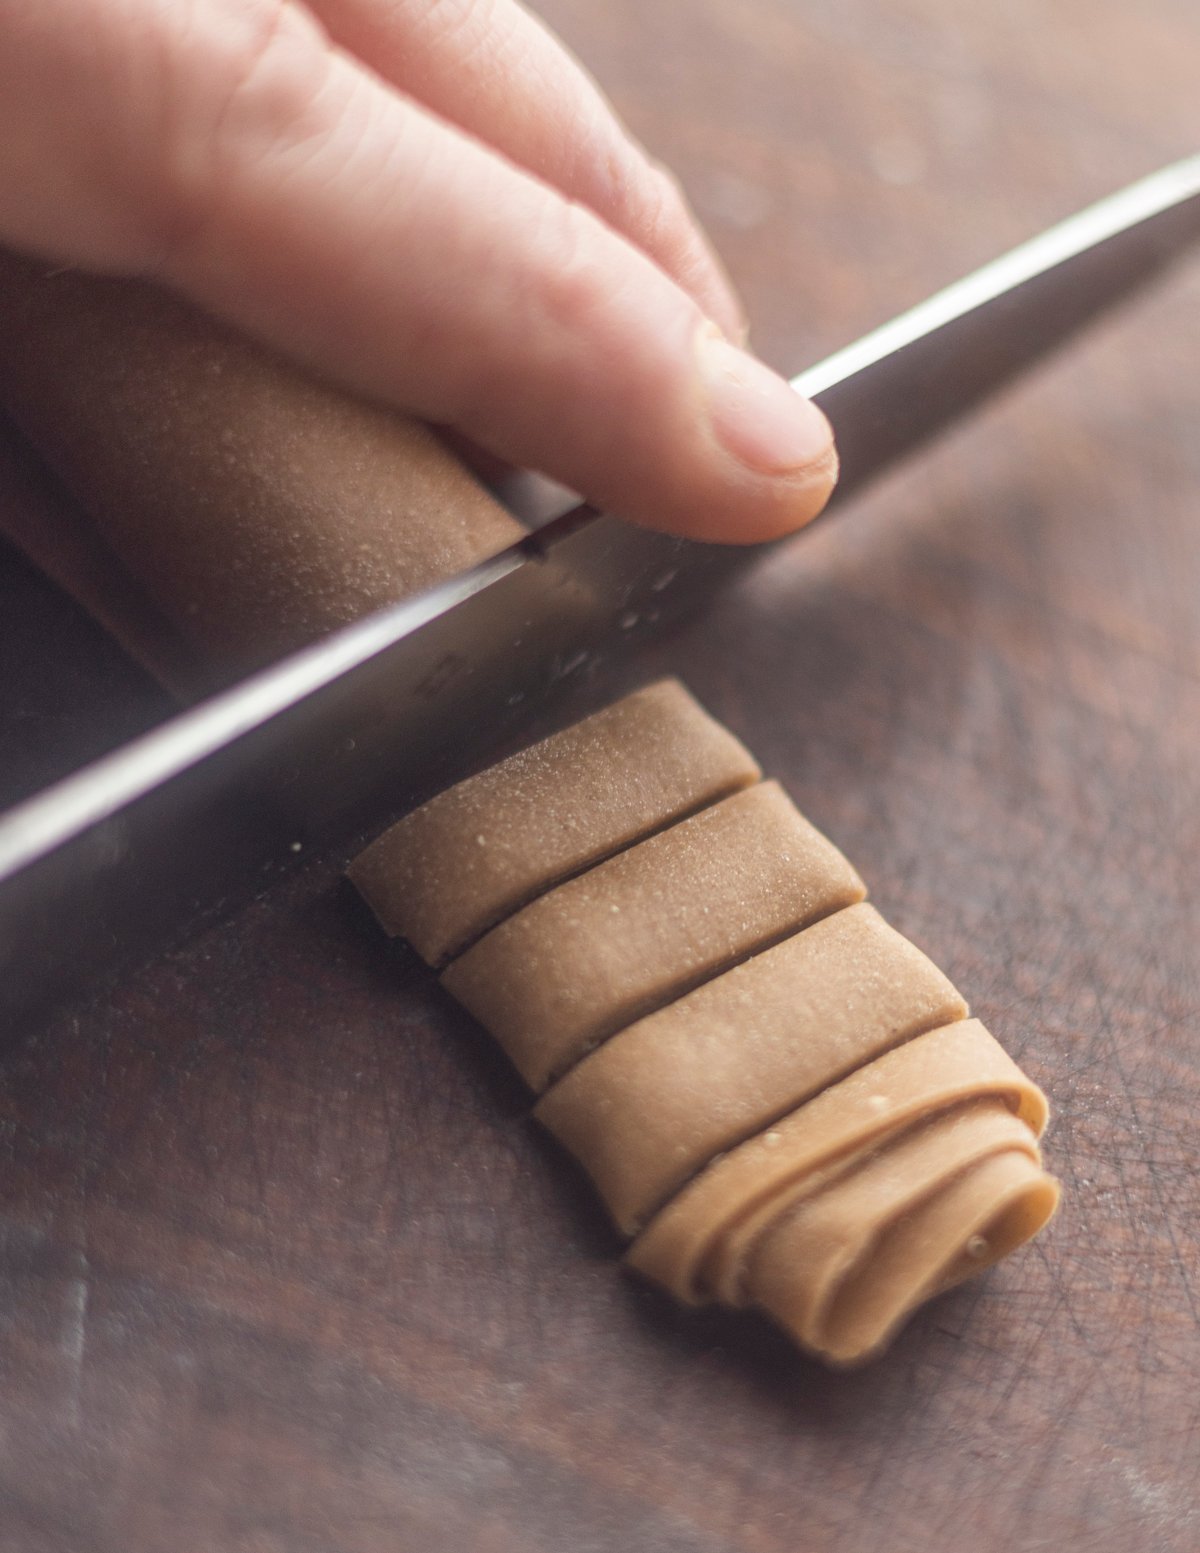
338 218
284 186
496 71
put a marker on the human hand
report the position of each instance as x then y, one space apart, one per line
429 202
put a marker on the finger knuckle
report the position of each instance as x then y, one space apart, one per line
242 81
663 213
575 283
644 199
452 20
459 30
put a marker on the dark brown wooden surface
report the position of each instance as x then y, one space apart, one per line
283 1266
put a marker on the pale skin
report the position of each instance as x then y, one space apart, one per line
428 201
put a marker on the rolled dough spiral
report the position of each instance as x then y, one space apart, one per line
778 1097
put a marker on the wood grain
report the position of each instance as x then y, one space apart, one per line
283 1263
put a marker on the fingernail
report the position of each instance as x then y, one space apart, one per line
757 416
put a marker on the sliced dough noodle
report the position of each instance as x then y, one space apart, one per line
629 935
659 1100
973 1221
476 853
695 1244
800 1262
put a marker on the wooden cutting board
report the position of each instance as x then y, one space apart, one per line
283 1266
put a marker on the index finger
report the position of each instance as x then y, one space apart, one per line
497 71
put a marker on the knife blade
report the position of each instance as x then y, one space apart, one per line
148 841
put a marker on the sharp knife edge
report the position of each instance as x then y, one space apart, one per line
148 833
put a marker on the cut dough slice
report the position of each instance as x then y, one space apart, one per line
643 928
988 1211
801 1260
658 1101
483 849
695 1246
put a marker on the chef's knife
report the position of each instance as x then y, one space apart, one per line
339 736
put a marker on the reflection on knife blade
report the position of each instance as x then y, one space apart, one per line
135 845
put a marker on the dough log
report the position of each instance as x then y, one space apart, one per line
252 506
777 1095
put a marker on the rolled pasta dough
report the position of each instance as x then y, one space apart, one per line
781 1097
